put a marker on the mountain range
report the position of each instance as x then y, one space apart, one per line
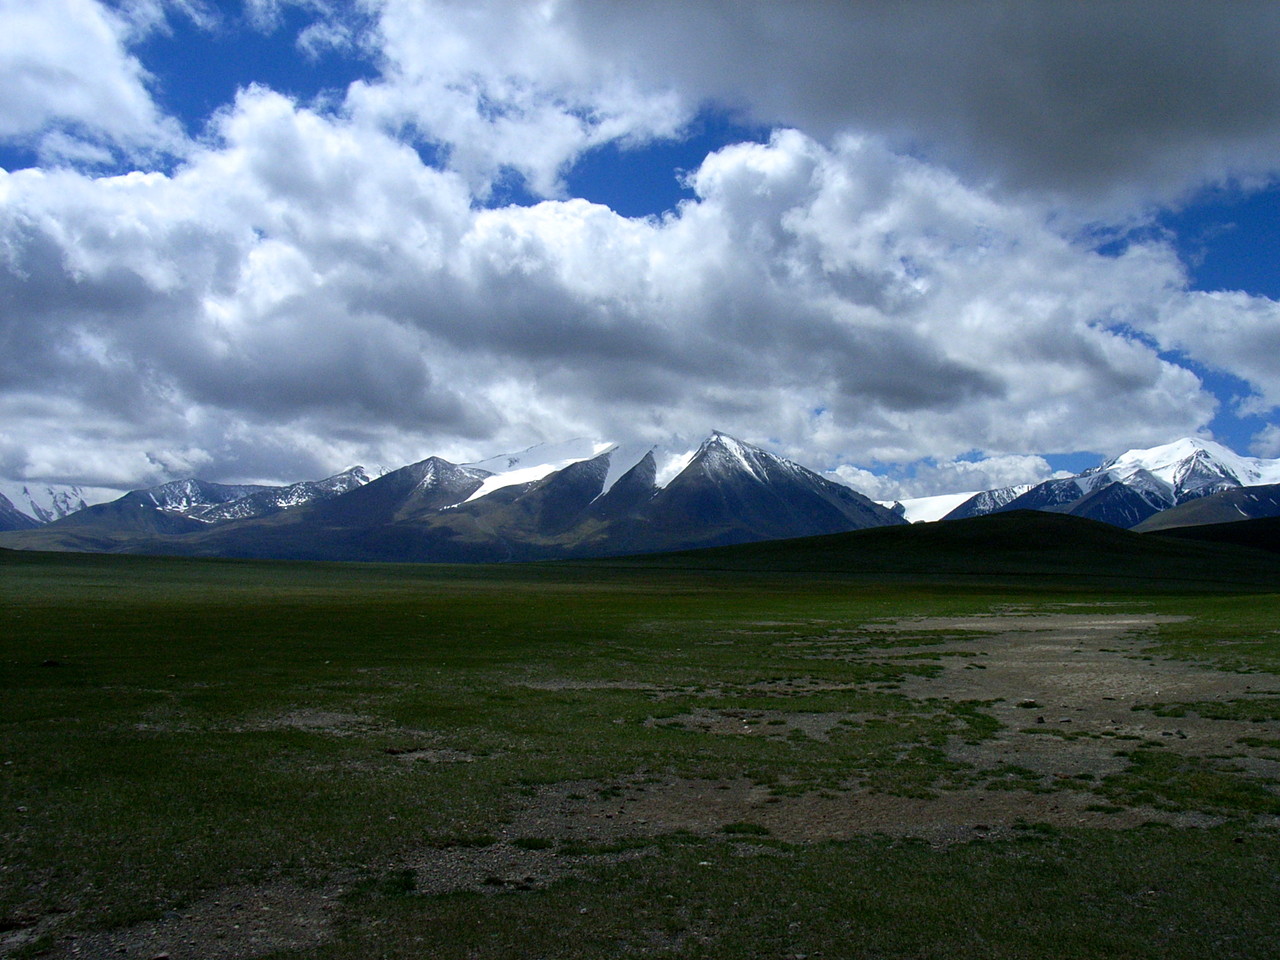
1188 481
583 498
588 498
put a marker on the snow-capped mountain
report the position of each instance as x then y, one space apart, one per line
11 518
185 506
1194 468
47 502
270 500
590 497
531 465
926 509
541 460
582 498
1128 489
192 498
733 492
987 501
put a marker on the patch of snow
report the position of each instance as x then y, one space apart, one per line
929 509
622 458
531 465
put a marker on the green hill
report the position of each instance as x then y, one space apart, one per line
1261 534
1021 545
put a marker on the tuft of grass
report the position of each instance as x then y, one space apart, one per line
1167 780
1257 709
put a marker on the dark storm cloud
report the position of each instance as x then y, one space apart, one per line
1116 100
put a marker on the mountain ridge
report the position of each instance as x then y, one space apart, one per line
1131 489
583 498
637 497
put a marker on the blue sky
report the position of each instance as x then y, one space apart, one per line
926 248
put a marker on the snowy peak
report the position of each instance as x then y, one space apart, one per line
1164 460
269 500
1193 467
988 501
199 502
719 452
419 488
188 497
434 473
927 509
722 456
48 503
11 518
1128 489
583 498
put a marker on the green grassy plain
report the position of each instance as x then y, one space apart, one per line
438 761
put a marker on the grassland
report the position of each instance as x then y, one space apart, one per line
244 759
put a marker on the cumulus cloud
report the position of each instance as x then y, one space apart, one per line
311 272
69 86
303 291
1267 442
1141 105
507 86
929 478
1230 331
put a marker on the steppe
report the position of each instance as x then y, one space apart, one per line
218 759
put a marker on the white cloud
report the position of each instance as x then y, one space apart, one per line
325 36
1267 442
141 18
507 85
303 292
929 479
1230 331
309 279
1114 109
68 83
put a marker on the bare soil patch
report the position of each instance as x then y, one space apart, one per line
233 924
1064 688
773 724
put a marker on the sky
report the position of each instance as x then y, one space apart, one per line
923 246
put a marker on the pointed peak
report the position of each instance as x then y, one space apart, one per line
722 440
1174 451
720 452
719 437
